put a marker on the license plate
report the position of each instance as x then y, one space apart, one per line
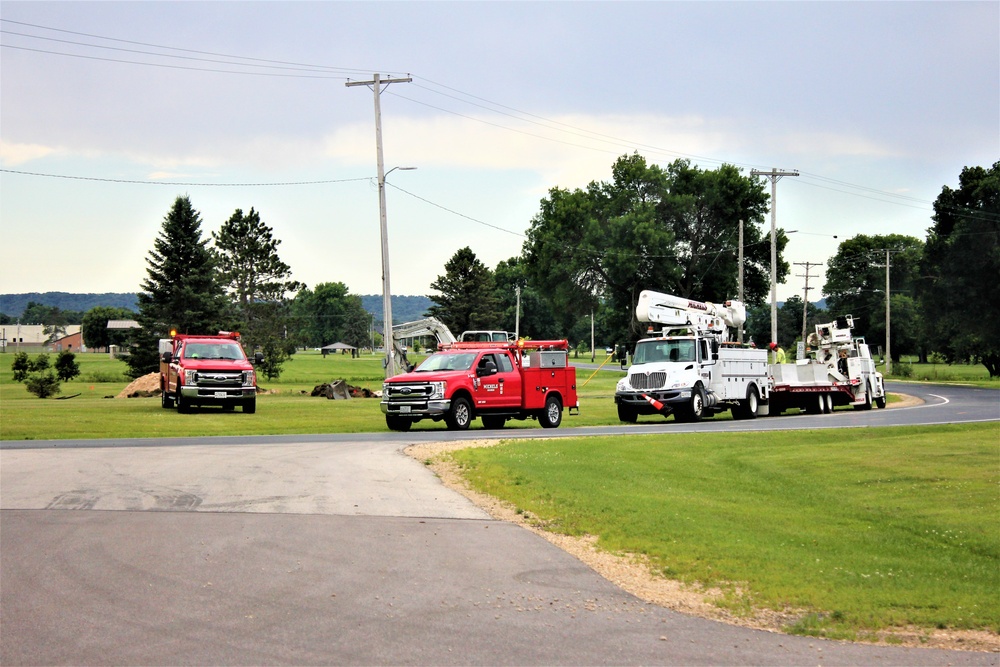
404 408
220 394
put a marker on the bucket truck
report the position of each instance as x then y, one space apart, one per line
690 368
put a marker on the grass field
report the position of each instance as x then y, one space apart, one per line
856 535
83 409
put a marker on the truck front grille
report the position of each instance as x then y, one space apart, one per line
654 380
219 380
408 392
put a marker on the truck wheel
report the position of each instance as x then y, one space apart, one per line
398 423
627 414
696 408
460 415
749 407
250 407
493 421
867 405
165 400
182 405
880 402
551 415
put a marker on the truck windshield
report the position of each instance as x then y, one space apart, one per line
654 351
229 351
446 362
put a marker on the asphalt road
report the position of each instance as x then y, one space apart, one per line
340 549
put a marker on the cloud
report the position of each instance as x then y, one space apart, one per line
13 155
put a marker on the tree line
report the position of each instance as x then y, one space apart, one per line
589 252
586 256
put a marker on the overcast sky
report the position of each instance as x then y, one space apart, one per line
109 111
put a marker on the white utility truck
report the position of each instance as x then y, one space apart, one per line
691 369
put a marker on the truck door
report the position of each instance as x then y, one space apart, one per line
498 384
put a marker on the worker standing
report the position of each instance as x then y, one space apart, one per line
779 354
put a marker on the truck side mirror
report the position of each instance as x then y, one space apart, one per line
258 358
489 368
167 357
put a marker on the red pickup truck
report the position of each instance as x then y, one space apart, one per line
207 370
494 381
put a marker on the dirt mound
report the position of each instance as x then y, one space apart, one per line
144 387
340 390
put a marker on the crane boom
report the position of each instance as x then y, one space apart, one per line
670 310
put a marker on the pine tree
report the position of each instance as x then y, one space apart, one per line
181 290
467 300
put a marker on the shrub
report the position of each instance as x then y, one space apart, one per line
43 383
21 366
67 367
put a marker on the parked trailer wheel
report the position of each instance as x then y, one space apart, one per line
460 415
551 415
828 399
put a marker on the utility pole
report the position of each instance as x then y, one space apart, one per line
805 295
888 349
775 175
517 313
387 339
739 332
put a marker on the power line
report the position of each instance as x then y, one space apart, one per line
184 184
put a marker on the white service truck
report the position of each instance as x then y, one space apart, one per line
689 367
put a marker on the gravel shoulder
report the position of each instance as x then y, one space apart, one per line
633 574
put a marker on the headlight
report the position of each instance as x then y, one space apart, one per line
622 385
190 377
385 388
437 390
249 378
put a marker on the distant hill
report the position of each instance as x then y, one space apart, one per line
13 305
404 308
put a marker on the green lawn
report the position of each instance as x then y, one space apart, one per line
895 528
286 408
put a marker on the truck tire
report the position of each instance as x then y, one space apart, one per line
880 402
250 407
694 411
867 405
183 406
627 414
166 401
396 423
551 414
748 408
460 415
493 421
827 403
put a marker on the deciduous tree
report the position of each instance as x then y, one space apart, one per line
258 282
961 303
